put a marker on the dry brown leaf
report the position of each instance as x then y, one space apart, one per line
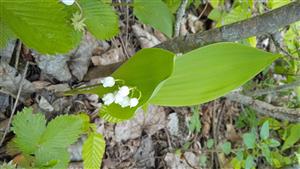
146 39
231 134
114 55
150 122
80 61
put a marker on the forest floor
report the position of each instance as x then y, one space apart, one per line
162 137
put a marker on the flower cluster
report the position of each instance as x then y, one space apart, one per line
68 2
121 96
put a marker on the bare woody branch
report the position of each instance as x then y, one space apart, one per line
179 15
266 109
262 24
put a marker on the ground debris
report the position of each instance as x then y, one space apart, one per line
10 81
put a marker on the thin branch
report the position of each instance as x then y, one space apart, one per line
266 109
15 104
277 89
179 15
279 48
268 22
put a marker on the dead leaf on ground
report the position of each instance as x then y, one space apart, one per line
54 66
231 134
144 156
150 122
113 55
80 61
6 52
146 39
10 81
175 162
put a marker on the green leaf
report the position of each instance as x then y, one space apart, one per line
266 153
6 34
226 147
293 136
62 131
247 118
53 158
199 75
249 140
249 163
236 163
273 143
216 15
264 131
210 143
194 124
216 3
172 4
41 25
203 160
93 151
100 19
298 157
237 14
156 14
240 155
28 128
273 4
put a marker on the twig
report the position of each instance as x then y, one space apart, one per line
19 47
15 104
266 23
279 48
206 5
179 15
188 163
124 48
8 93
266 109
285 87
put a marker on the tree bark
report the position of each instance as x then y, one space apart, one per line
266 23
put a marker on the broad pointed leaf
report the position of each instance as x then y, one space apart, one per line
156 14
293 136
5 34
209 72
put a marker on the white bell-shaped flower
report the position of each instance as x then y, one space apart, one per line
125 102
123 91
108 82
108 98
118 98
68 2
133 102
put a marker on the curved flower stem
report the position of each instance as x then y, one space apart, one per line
120 80
81 10
136 89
